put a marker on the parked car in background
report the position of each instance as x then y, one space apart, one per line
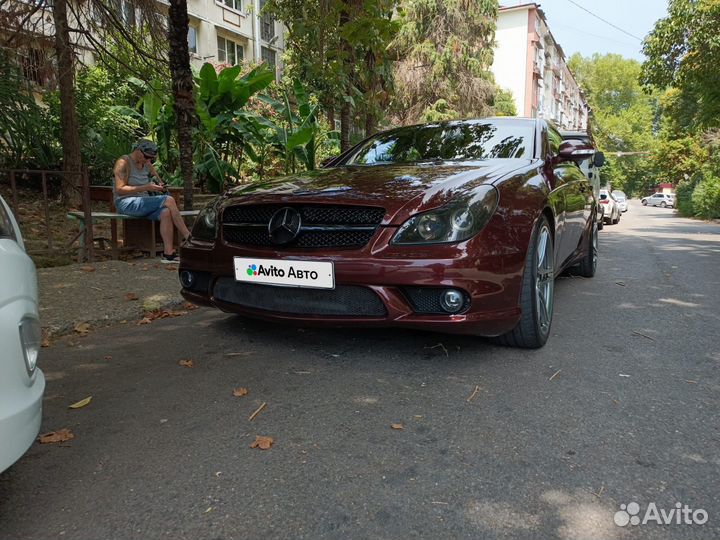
621 199
659 199
612 209
456 227
21 382
590 166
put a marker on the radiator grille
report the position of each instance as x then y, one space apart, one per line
323 226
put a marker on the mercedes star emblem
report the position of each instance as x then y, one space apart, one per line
284 226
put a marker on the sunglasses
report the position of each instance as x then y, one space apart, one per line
151 159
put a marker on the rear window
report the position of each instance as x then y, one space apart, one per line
603 196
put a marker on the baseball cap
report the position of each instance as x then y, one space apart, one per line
147 147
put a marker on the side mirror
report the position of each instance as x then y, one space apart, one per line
574 150
599 159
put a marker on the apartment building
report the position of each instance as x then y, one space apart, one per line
228 32
221 32
531 64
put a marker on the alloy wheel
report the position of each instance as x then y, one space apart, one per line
544 281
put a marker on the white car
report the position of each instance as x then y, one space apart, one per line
612 210
621 199
659 199
21 383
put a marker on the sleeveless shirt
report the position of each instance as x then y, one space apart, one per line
136 177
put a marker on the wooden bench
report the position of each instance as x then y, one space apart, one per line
138 232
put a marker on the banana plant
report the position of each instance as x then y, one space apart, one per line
296 137
226 132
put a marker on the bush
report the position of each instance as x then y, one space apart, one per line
684 192
706 198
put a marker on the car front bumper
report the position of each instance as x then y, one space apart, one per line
491 285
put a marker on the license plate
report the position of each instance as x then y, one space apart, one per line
286 273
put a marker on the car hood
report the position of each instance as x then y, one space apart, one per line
409 187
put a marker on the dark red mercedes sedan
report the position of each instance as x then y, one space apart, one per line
454 227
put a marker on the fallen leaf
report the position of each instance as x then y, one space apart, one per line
263 443
82 328
151 316
58 436
80 404
240 391
131 296
187 305
88 269
208 510
186 363
397 426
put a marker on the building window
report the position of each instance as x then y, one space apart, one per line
34 63
229 52
267 24
192 40
268 55
125 11
233 4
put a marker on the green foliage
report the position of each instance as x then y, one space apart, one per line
339 48
26 139
504 103
623 118
683 52
445 50
105 133
684 191
706 198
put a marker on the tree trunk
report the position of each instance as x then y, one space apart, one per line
182 88
330 112
370 126
345 127
69 132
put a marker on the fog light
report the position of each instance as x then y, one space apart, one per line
452 300
187 279
30 339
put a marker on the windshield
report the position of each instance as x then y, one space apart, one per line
456 141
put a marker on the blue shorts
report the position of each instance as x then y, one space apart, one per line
147 207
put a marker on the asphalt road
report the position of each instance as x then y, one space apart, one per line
621 406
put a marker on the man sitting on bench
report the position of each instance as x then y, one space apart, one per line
132 189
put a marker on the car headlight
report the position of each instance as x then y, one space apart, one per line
30 339
205 226
456 222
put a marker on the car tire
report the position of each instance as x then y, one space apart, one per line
536 296
644 203
663 204
600 225
588 264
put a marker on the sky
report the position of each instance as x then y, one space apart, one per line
578 31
